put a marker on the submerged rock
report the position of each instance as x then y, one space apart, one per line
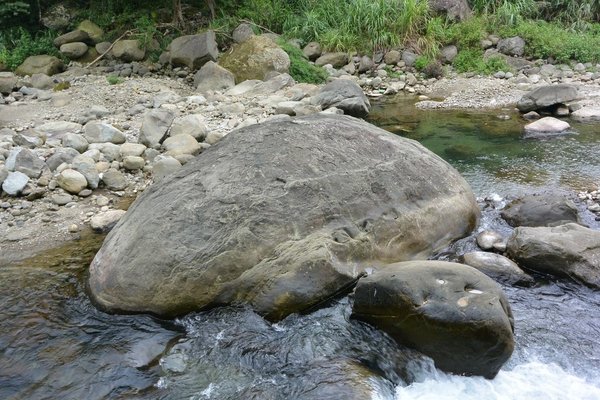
450 312
280 215
569 250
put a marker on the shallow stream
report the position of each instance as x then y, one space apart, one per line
54 344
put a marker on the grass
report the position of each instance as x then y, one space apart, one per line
300 69
114 80
18 44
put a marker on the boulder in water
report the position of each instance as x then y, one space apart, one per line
280 215
541 210
547 96
497 267
450 312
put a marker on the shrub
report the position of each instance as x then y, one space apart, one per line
471 60
114 80
300 69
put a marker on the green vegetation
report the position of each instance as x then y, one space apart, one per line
18 44
114 80
300 69
64 85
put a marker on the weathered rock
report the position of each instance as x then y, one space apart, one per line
48 65
497 267
3 175
181 144
488 240
98 132
86 166
547 96
409 58
295 211
513 46
193 51
114 180
57 129
105 221
312 51
133 163
95 33
71 181
242 33
71 37
453 9
128 50
74 50
449 53
8 82
132 149
192 124
155 126
541 210
29 139
337 60
392 57
110 151
569 250
450 312
213 77
65 155
25 161
15 183
365 64
546 126
256 58
587 114
271 86
42 82
166 97
103 47
345 95
164 166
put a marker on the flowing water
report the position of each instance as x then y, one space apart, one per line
54 344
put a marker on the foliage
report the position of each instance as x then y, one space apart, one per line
468 34
17 45
64 85
300 69
11 10
472 60
114 80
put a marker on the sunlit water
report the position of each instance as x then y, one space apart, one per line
54 344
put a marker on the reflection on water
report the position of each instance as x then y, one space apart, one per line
55 345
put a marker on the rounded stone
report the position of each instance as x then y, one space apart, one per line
133 163
72 181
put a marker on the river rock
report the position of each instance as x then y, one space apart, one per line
25 161
3 174
87 167
110 151
497 267
546 126
345 95
164 166
513 46
449 53
132 149
452 9
409 58
365 64
29 139
587 114
193 51
450 312
155 126
312 51
8 82
192 124
271 86
105 221
64 155
75 141
71 37
114 180
57 129
285 213
242 33
547 96
569 250
337 60
98 132
213 77
42 82
133 163
71 181
488 240
74 50
256 58
128 50
43 64
181 144
15 183
392 57
95 33
540 210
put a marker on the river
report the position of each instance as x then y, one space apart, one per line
55 344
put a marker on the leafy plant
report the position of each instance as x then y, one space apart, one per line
300 69
114 80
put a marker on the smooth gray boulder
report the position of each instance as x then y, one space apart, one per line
25 161
42 82
345 95
75 141
43 64
72 181
128 50
105 221
193 51
450 312
191 124
164 166
497 267
155 126
86 166
98 132
280 215
8 82
312 51
74 50
488 240
513 46
15 183
114 180
77 35
547 96
540 210
569 250
213 77
64 155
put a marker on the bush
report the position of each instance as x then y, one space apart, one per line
300 69
19 44
471 60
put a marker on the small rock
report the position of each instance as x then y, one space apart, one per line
72 181
75 141
133 163
15 183
114 180
546 125
73 228
61 199
105 221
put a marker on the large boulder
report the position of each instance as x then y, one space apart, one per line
128 50
280 215
94 32
450 312
256 58
336 60
213 77
345 95
452 9
540 210
193 51
48 65
547 96
74 50
513 46
569 250
72 37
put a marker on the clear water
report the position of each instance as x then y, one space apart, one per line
54 344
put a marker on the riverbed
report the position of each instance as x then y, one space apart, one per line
56 344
